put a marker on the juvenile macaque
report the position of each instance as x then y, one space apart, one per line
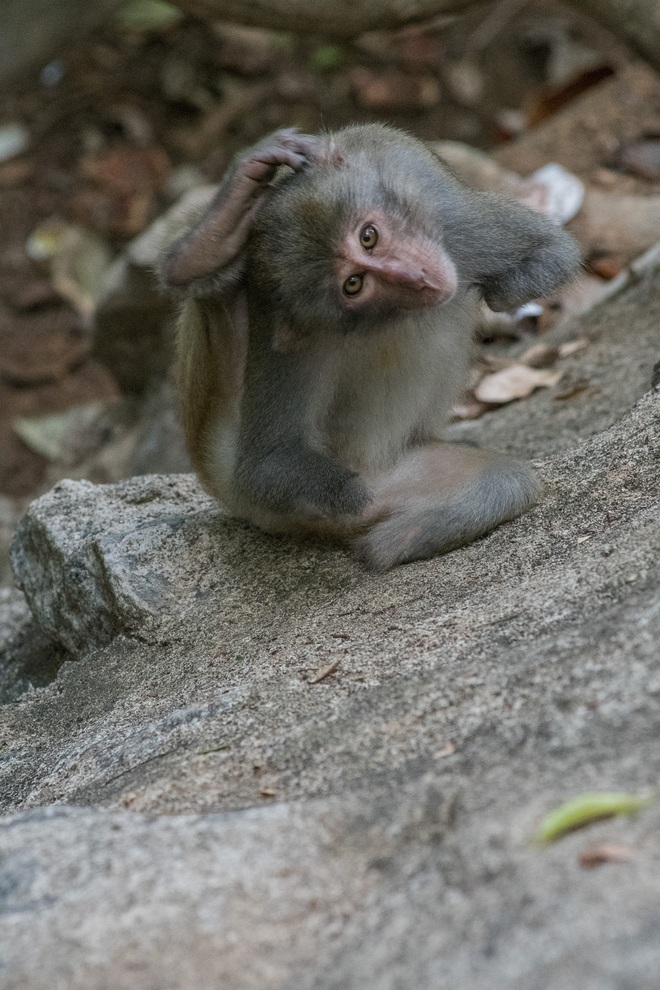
330 291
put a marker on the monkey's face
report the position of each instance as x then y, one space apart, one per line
381 264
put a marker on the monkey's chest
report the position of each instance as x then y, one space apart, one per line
388 359
392 391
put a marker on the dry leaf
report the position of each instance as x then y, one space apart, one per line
606 852
575 389
324 672
51 436
12 173
77 260
466 81
540 356
572 346
514 382
14 140
493 362
607 267
147 15
469 410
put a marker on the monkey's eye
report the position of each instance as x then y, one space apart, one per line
353 285
369 236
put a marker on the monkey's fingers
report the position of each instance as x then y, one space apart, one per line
285 147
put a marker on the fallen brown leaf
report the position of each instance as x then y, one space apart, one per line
469 409
515 382
540 356
577 388
324 672
572 346
124 170
607 267
493 362
550 99
606 852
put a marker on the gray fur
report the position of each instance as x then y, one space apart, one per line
342 411
501 490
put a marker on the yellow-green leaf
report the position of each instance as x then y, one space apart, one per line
588 808
148 15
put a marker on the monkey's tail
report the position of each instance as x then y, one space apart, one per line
209 369
194 373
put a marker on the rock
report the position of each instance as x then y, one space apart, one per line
73 527
132 320
11 511
380 894
27 659
94 563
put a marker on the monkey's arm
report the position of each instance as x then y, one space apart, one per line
279 467
510 252
208 256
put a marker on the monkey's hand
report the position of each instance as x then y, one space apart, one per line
301 482
533 278
221 234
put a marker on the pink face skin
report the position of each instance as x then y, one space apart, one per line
392 268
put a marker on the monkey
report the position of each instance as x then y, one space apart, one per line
329 293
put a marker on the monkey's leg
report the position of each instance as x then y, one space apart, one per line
441 497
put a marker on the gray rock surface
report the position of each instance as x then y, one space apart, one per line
186 807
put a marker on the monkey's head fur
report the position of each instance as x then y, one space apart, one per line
376 224
350 240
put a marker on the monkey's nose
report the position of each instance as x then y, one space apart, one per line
405 274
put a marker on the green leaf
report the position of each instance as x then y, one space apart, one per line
148 15
587 808
327 57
